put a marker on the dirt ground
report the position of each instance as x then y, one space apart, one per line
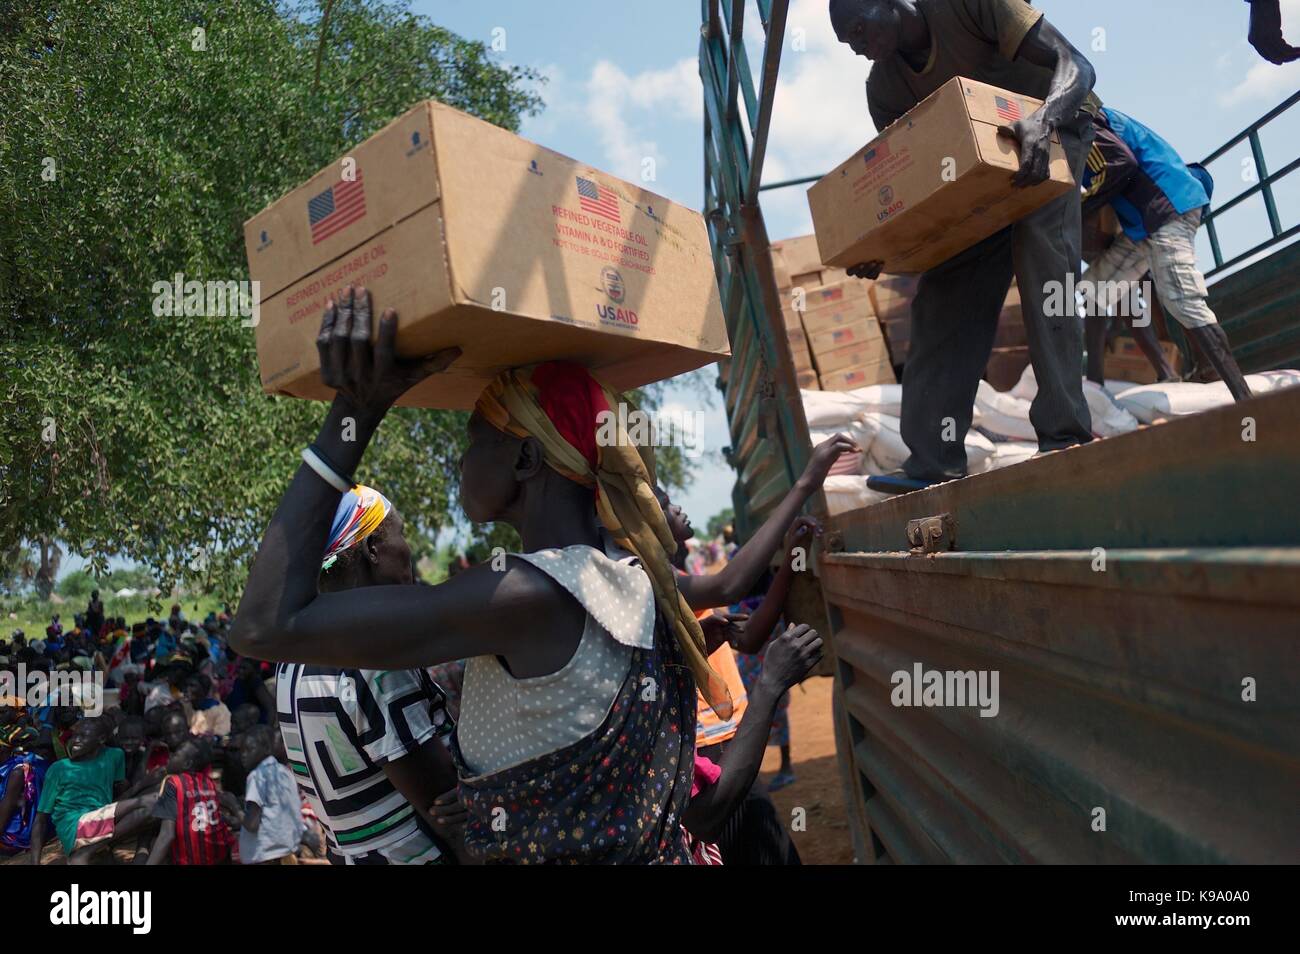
817 787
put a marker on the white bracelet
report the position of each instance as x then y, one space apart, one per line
324 471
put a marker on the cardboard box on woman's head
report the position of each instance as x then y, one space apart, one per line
484 241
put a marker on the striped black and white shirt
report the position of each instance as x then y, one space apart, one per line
340 726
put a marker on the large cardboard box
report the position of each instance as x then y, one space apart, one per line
1005 367
837 293
807 380
891 297
933 184
859 376
865 352
836 315
800 356
485 241
854 332
1128 363
797 262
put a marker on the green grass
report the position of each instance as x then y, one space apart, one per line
33 614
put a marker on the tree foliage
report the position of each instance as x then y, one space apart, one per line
136 136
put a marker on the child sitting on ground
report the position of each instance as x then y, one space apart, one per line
193 831
208 715
173 729
78 794
270 820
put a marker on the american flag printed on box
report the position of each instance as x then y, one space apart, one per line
1008 109
336 208
875 154
596 199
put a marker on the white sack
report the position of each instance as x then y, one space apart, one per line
1154 402
1002 414
888 451
849 493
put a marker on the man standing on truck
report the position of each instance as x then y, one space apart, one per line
916 46
1158 199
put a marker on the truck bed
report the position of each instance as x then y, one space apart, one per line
1121 689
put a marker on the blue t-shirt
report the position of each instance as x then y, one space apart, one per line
165 647
1161 162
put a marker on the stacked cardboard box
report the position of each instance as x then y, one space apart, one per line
798 264
799 254
841 338
486 242
847 345
1128 363
891 298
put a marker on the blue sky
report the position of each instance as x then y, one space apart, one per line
623 84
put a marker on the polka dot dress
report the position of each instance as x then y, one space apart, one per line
592 763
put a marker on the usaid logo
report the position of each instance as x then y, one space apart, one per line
617 316
886 195
613 284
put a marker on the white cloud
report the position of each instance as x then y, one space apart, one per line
1264 81
557 94
820 115
620 107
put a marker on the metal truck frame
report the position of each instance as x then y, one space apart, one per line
1138 597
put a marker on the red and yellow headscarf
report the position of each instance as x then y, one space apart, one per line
558 403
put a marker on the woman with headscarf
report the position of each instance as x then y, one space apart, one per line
578 721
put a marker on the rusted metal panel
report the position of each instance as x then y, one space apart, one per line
1259 308
1125 592
1118 689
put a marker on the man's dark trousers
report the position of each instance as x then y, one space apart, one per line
955 318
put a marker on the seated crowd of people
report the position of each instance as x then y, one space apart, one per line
168 771
578 702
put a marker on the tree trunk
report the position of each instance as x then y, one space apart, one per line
51 556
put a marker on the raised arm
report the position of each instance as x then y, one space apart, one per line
792 656
760 624
283 618
1072 80
734 581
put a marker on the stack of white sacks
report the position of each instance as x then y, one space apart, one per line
1001 434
